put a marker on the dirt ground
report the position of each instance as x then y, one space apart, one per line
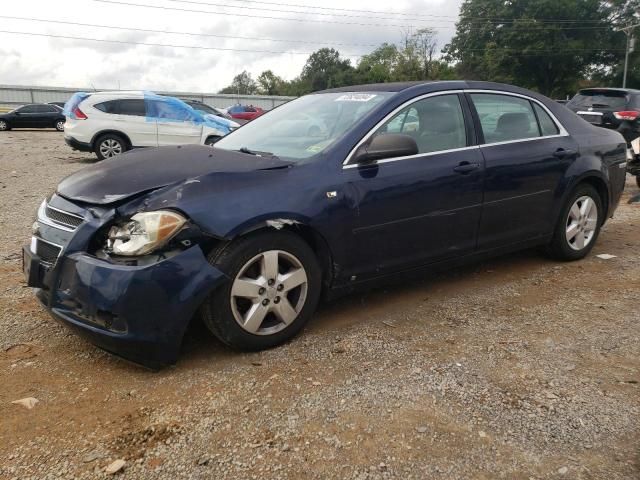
515 368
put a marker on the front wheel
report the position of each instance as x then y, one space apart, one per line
274 289
579 224
4 126
60 125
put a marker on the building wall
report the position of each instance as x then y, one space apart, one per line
12 96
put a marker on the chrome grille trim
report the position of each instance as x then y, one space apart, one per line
57 218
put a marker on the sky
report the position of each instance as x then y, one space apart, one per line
281 42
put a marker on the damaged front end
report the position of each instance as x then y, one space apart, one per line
128 283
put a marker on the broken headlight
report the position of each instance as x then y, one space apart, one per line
145 232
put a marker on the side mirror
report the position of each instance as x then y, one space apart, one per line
387 145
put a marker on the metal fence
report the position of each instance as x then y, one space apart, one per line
12 96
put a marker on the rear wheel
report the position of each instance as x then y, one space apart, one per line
638 180
274 290
60 125
579 224
109 145
4 126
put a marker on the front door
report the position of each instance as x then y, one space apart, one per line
420 209
526 154
26 117
177 125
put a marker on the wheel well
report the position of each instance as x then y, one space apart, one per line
218 137
602 190
115 132
316 242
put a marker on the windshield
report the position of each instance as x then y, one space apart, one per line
599 99
303 127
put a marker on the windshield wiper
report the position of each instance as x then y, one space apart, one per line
258 153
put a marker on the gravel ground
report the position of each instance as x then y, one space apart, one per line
519 367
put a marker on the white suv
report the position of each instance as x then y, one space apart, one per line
109 123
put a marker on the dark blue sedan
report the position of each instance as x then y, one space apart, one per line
251 233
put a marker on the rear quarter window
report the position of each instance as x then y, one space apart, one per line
110 106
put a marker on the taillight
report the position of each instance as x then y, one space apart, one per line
78 114
626 115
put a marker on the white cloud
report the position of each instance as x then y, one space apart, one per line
38 60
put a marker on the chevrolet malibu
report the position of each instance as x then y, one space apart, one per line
250 234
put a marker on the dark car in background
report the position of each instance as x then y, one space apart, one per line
613 108
35 115
249 234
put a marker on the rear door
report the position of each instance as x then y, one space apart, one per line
526 154
131 119
176 124
48 115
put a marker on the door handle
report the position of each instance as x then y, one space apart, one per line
465 167
564 153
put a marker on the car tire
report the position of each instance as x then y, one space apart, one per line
579 224
211 140
4 126
59 125
253 311
109 145
638 180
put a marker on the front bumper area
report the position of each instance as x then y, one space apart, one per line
78 145
137 312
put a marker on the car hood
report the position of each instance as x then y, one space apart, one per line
141 171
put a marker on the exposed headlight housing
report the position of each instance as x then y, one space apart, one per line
145 232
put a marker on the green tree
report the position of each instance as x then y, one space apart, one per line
242 84
270 84
325 69
545 45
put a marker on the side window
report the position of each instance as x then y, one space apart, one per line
169 111
28 109
110 106
131 107
504 117
436 123
547 125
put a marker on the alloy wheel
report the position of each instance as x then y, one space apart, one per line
110 148
60 126
582 223
269 292
3 125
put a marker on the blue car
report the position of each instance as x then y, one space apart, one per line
249 235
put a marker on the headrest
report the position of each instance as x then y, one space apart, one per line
513 122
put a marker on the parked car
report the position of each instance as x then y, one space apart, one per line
245 112
110 123
250 233
35 115
209 110
613 108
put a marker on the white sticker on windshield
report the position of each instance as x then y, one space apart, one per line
355 97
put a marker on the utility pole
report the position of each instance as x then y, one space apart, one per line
630 41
